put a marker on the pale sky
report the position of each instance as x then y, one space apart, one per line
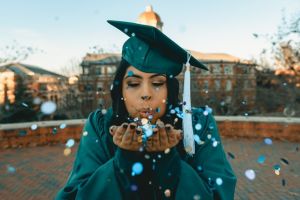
65 29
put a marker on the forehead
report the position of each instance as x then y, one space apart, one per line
132 70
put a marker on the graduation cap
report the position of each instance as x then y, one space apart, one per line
149 50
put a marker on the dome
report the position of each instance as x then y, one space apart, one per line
149 17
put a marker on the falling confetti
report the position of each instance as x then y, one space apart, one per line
22 132
230 155
134 187
62 126
25 105
37 100
137 168
33 127
48 107
103 111
67 151
54 131
198 127
10 169
199 168
261 159
130 73
284 161
196 197
268 141
215 143
219 181
70 143
167 193
167 151
144 121
85 133
250 174
283 182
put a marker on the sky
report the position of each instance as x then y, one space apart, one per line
65 30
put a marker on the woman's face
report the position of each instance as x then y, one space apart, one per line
144 94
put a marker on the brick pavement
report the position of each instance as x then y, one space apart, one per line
41 171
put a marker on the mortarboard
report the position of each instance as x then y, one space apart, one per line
149 50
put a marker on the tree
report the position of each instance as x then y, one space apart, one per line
279 74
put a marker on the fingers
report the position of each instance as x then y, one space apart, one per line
163 138
128 136
112 130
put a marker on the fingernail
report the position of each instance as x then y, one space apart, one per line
125 126
168 127
132 126
138 131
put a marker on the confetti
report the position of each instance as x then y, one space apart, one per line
198 127
67 151
284 161
219 181
130 73
167 193
250 174
196 197
134 187
70 143
103 111
144 121
10 169
48 107
85 133
22 132
33 127
199 168
261 159
137 168
54 131
167 151
268 141
215 144
62 126
283 182
230 155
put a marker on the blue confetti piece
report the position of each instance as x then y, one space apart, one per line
137 168
268 141
261 159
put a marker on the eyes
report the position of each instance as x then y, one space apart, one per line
135 84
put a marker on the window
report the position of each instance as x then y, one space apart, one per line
217 84
85 70
228 69
228 85
216 69
205 85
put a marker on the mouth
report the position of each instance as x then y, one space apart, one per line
145 113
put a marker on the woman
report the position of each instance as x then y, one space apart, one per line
136 150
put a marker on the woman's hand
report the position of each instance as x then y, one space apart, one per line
127 136
164 137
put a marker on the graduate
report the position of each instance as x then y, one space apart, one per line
149 144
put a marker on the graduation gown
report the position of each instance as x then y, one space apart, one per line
103 171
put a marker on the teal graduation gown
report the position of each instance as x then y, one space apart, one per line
103 171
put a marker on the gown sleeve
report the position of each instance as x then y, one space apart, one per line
208 174
93 174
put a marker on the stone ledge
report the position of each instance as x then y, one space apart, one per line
49 132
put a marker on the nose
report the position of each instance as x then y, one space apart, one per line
146 93
146 97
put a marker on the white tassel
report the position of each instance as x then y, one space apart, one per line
188 140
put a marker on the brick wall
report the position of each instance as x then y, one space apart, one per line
49 132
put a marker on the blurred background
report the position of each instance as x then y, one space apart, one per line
58 58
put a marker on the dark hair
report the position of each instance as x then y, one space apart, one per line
120 113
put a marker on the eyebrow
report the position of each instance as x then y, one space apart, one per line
139 77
